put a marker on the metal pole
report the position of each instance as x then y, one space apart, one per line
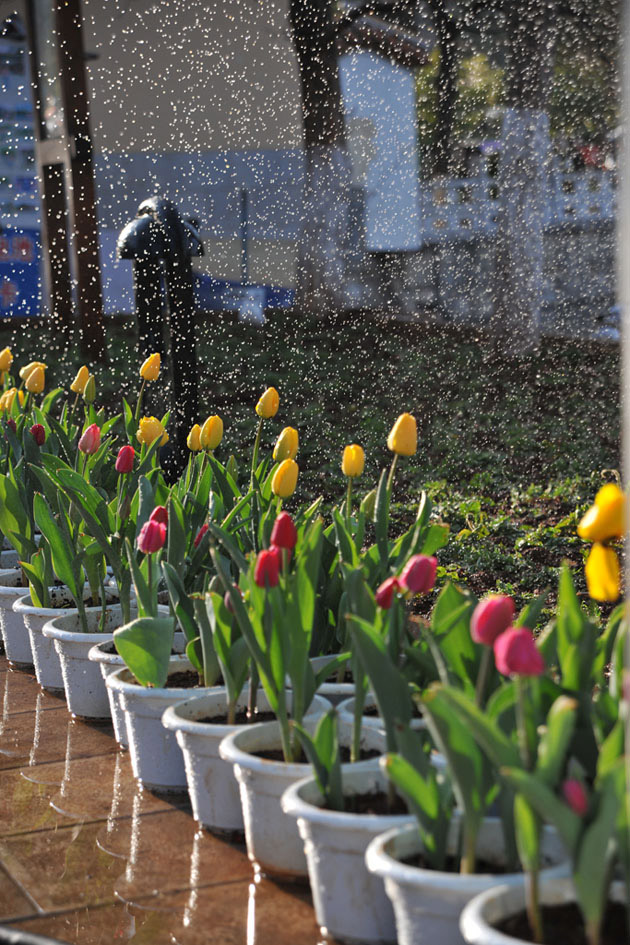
147 284
244 237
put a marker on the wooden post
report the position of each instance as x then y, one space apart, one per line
57 57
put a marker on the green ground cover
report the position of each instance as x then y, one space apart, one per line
511 454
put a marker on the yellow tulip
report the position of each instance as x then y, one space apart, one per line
193 440
268 404
150 429
150 369
83 376
211 433
285 479
36 380
403 437
286 445
605 518
29 368
353 461
602 573
7 399
6 359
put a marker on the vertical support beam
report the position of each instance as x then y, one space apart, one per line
82 193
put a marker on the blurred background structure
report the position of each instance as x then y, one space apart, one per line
435 160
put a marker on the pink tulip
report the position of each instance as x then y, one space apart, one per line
91 439
575 795
159 514
516 654
418 575
202 531
124 460
491 617
385 593
152 537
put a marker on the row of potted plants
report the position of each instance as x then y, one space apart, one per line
271 664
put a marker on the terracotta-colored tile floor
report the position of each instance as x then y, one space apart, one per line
87 857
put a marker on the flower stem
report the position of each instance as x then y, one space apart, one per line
253 479
521 721
392 470
482 678
349 501
139 401
533 906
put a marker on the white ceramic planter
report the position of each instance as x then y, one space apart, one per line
346 716
483 913
86 694
156 758
428 903
335 692
212 787
109 662
45 657
350 903
273 842
17 644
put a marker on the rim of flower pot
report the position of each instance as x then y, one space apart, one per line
379 860
297 805
230 751
117 680
476 925
25 605
55 632
346 710
9 560
7 577
183 715
97 654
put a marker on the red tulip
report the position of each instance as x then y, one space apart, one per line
575 795
385 593
284 532
12 425
38 433
490 618
91 439
202 531
267 570
124 460
418 575
152 537
516 654
159 514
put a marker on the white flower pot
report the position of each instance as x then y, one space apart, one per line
17 644
212 787
109 662
346 715
483 913
156 758
428 903
273 842
335 692
45 657
86 694
350 903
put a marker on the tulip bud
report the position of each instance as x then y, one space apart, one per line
575 795
202 531
285 479
286 445
12 425
516 653
149 430
403 437
91 439
90 390
6 400
159 514
227 599
268 404
267 570
284 533
36 380
602 573
605 518
29 368
152 537
211 433
38 433
6 359
193 440
124 460
150 369
491 617
418 576
353 461
368 505
78 384
385 593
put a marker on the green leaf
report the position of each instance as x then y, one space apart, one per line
145 645
423 796
554 744
549 807
66 560
527 829
530 614
381 518
591 868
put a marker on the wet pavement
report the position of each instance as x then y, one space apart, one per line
88 857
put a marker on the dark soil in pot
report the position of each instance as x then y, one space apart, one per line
563 925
